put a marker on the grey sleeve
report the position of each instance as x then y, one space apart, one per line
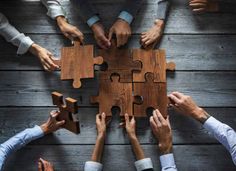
162 10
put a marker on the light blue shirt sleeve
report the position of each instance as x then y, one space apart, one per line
92 166
92 20
168 162
18 141
224 134
126 16
54 8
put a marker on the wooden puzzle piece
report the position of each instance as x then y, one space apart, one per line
153 96
77 62
67 111
153 61
114 93
119 61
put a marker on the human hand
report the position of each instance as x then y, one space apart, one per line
46 58
198 5
130 125
101 124
52 124
99 35
122 31
69 31
44 165
153 35
185 105
162 131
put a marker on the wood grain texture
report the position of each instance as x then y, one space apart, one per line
68 108
73 157
216 53
181 19
77 62
20 88
119 61
153 96
113 93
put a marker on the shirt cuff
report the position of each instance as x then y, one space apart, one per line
92 20
126 16
37 132
143 164
211 124
92 166
55 10
167 161
24 46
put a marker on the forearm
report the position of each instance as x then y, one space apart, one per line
54 8
14 36
98 149
162 10
137 149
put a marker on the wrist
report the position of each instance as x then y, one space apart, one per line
132 137
45 129
200 114
60 20
165 149
101 135
159 22
34 49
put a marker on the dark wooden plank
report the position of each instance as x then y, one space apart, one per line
22 88
189 52
181 18
185 130
120 157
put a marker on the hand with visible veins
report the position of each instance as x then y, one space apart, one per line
52 124
44 165
198 5
162 131
69 31
153 35
130 125
122 30
185 105
99 35
46 58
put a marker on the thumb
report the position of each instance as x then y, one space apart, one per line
60 123
110 34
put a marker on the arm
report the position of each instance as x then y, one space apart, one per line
14 36
222 132
142 163
95 163
28 135
56 12
162 131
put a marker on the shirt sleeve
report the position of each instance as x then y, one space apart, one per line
143 164
224 134
54 8
92 166
18 141
162 9
14 36
168 162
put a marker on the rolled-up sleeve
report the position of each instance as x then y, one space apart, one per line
92 166
162 10
54 8
14 36
143 164
168 162
224 134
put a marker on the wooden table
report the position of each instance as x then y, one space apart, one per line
203 48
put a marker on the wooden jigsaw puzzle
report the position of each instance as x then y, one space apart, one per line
67 109
131 88
78 62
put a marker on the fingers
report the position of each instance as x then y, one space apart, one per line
198 5
110 34
60 123
103 118
155 117
122 39
174 99
160 117
54 113
153 124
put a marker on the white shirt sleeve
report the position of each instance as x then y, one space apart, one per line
92 166
19 141
168 162
54 8
14 36
143 164
224 134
